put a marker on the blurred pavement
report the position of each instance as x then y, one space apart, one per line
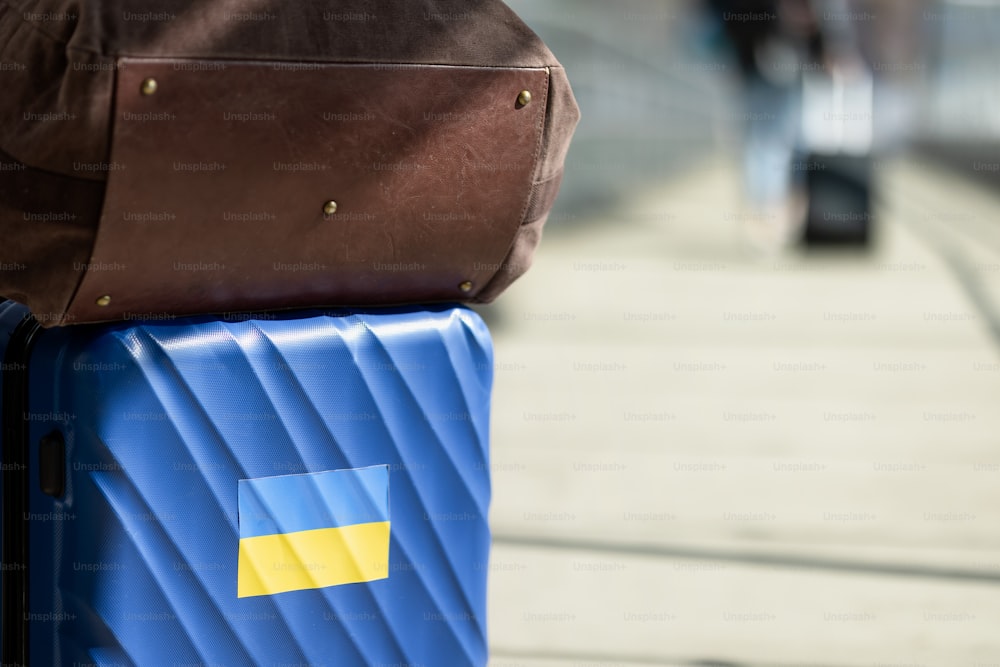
707 457
703 456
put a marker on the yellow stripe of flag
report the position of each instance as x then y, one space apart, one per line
270 564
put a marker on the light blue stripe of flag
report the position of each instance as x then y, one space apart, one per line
331 499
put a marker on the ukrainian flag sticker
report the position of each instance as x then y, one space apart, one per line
300 532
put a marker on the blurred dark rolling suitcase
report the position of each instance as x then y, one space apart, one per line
306 489
837 129
840 199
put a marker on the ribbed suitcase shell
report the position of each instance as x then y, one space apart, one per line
136 563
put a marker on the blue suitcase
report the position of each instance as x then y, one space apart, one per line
307 489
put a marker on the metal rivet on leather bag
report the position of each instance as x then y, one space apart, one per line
149 86
524 98
104 301
330 207
466 286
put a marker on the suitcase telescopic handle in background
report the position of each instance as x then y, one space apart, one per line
14 457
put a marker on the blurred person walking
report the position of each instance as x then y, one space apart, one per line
777 46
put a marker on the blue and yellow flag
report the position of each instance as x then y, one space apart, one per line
312 531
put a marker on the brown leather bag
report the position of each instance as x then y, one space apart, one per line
192 157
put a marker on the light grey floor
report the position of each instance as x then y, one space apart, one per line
706 456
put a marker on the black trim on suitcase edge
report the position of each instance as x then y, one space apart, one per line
14 457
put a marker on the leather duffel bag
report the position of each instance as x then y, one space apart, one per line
204 156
